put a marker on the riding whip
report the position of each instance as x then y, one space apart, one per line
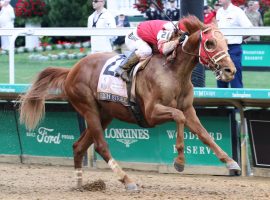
164 13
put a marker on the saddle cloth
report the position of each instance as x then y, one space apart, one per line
111 88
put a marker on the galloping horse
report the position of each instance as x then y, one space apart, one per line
164 92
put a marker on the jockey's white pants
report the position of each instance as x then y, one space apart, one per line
135 43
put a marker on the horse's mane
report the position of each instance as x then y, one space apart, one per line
191 24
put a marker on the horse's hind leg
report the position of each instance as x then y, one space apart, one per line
96 123
195 126
102 149
79 149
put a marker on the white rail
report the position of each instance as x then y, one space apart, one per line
15 32
82 31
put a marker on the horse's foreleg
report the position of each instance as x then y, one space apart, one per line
179 162
123 177
162 113
79 149
195 126
101 147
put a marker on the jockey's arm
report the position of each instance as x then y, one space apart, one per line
165 44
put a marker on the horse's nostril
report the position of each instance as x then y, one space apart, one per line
227 70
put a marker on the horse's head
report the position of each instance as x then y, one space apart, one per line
213 48
213 53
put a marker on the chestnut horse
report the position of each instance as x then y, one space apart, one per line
164 92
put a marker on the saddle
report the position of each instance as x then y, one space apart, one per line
137 67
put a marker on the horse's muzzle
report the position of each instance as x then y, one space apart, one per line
227 74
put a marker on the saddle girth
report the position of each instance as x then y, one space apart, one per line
133 105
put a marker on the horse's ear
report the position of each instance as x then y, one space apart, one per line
181 26
191 24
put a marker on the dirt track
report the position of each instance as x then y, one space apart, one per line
50 182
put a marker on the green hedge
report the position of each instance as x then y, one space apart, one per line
63 13
266 22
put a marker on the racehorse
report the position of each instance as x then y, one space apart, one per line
164 92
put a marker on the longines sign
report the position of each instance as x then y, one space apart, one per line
127 136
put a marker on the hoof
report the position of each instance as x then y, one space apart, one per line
234 168
78 176
79 183
132 187
125 77
178 167
233 172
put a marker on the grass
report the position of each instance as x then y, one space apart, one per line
251 79
26 70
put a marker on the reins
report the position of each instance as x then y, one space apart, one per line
203 60
184 43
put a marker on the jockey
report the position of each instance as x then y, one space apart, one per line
154 32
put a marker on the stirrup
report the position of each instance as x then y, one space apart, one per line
118 72
125 77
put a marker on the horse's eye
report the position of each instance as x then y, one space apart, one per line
210 45
218 35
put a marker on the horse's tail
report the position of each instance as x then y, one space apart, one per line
49 84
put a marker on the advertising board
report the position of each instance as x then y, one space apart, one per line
258 121
131 143
54 136
256 56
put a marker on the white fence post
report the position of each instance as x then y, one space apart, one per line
11 54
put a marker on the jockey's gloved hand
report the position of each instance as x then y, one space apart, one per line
183 37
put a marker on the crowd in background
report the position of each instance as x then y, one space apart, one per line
252 10
7 17
170 12
227 15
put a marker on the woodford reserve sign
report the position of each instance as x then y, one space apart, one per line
130 143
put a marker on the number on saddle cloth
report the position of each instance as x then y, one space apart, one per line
112 64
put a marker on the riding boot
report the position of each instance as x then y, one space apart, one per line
126 65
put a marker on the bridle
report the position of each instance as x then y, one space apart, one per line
209 56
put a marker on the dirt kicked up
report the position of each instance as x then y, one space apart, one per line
52 182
